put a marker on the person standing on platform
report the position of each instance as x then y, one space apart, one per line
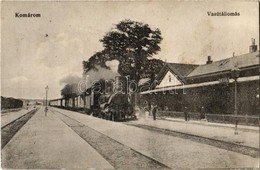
154 112
185 113
46 110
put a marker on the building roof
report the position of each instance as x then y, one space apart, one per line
182 69
241 61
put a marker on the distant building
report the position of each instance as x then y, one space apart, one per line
210 85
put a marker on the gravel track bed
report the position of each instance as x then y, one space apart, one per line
9 130
117 154
246 150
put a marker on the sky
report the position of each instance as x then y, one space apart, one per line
49 50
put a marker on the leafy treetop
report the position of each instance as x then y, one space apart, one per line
133 44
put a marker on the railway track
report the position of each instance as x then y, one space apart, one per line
10 129
117 154
6 112
246 150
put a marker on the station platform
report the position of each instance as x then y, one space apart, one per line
247 135
175 152
11 116
223 125
45 142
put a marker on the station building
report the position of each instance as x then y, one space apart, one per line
219 87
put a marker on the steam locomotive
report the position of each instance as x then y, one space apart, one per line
105 99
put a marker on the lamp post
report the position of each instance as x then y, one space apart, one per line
235 74
46 88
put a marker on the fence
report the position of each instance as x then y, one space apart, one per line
193 116
223 118
218 118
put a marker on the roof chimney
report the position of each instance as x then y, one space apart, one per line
253 47
209 60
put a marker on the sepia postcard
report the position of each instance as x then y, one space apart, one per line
149 84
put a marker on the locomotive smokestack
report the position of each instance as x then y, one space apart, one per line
120 84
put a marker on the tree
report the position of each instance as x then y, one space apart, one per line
133 44
99 58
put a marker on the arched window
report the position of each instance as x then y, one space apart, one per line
170 78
